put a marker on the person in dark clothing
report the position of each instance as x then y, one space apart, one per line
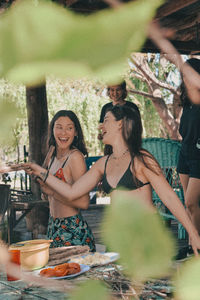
117 93
189 159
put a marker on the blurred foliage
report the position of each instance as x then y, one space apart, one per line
188 281
145 245
90 290
67 44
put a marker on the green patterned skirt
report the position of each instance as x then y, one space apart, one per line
70 231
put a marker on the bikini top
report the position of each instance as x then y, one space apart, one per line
59 173
126 181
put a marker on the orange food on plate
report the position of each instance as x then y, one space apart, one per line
74 268
49 272
61 270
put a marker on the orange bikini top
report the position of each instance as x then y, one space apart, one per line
59 173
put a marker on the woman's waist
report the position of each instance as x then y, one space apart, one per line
59 210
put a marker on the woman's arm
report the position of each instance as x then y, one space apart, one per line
81 187
78 168
173 203
77 203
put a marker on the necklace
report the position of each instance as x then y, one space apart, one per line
118 157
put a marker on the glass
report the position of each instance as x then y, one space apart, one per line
14 258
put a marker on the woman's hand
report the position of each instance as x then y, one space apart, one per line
34 169
195 243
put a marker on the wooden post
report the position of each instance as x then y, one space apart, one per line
36 101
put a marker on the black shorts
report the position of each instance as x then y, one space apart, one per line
189 163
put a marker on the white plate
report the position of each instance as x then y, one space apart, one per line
84 269
112 256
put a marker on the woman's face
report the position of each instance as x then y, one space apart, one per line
116 93
110 127
64 132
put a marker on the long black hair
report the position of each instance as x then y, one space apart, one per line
195 64
132 134
78 141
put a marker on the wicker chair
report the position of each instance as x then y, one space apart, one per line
166 152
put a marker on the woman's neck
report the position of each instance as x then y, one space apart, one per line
61 153
119 148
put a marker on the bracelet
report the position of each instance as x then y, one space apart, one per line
43 176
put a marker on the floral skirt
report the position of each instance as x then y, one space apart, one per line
69 231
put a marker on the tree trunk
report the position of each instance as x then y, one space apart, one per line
37 111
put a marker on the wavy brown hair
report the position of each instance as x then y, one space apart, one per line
78 141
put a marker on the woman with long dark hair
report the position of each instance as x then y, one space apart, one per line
66 225
128 167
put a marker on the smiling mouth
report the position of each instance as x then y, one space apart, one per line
63 140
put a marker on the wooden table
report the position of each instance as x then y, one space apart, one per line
117 284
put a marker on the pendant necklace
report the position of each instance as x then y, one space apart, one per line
118 157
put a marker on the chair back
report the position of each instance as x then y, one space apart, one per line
166 152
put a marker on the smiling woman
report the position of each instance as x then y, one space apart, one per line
128 167
66 224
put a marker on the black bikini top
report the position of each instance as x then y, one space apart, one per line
126 181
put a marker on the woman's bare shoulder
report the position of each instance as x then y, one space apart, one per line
76 154
147 160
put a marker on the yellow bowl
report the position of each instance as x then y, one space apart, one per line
34 254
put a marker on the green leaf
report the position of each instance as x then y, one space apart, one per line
91 290
49 35
138 234
187 285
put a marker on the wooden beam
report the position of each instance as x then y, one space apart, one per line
172 7
181 23
188 35
182 47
